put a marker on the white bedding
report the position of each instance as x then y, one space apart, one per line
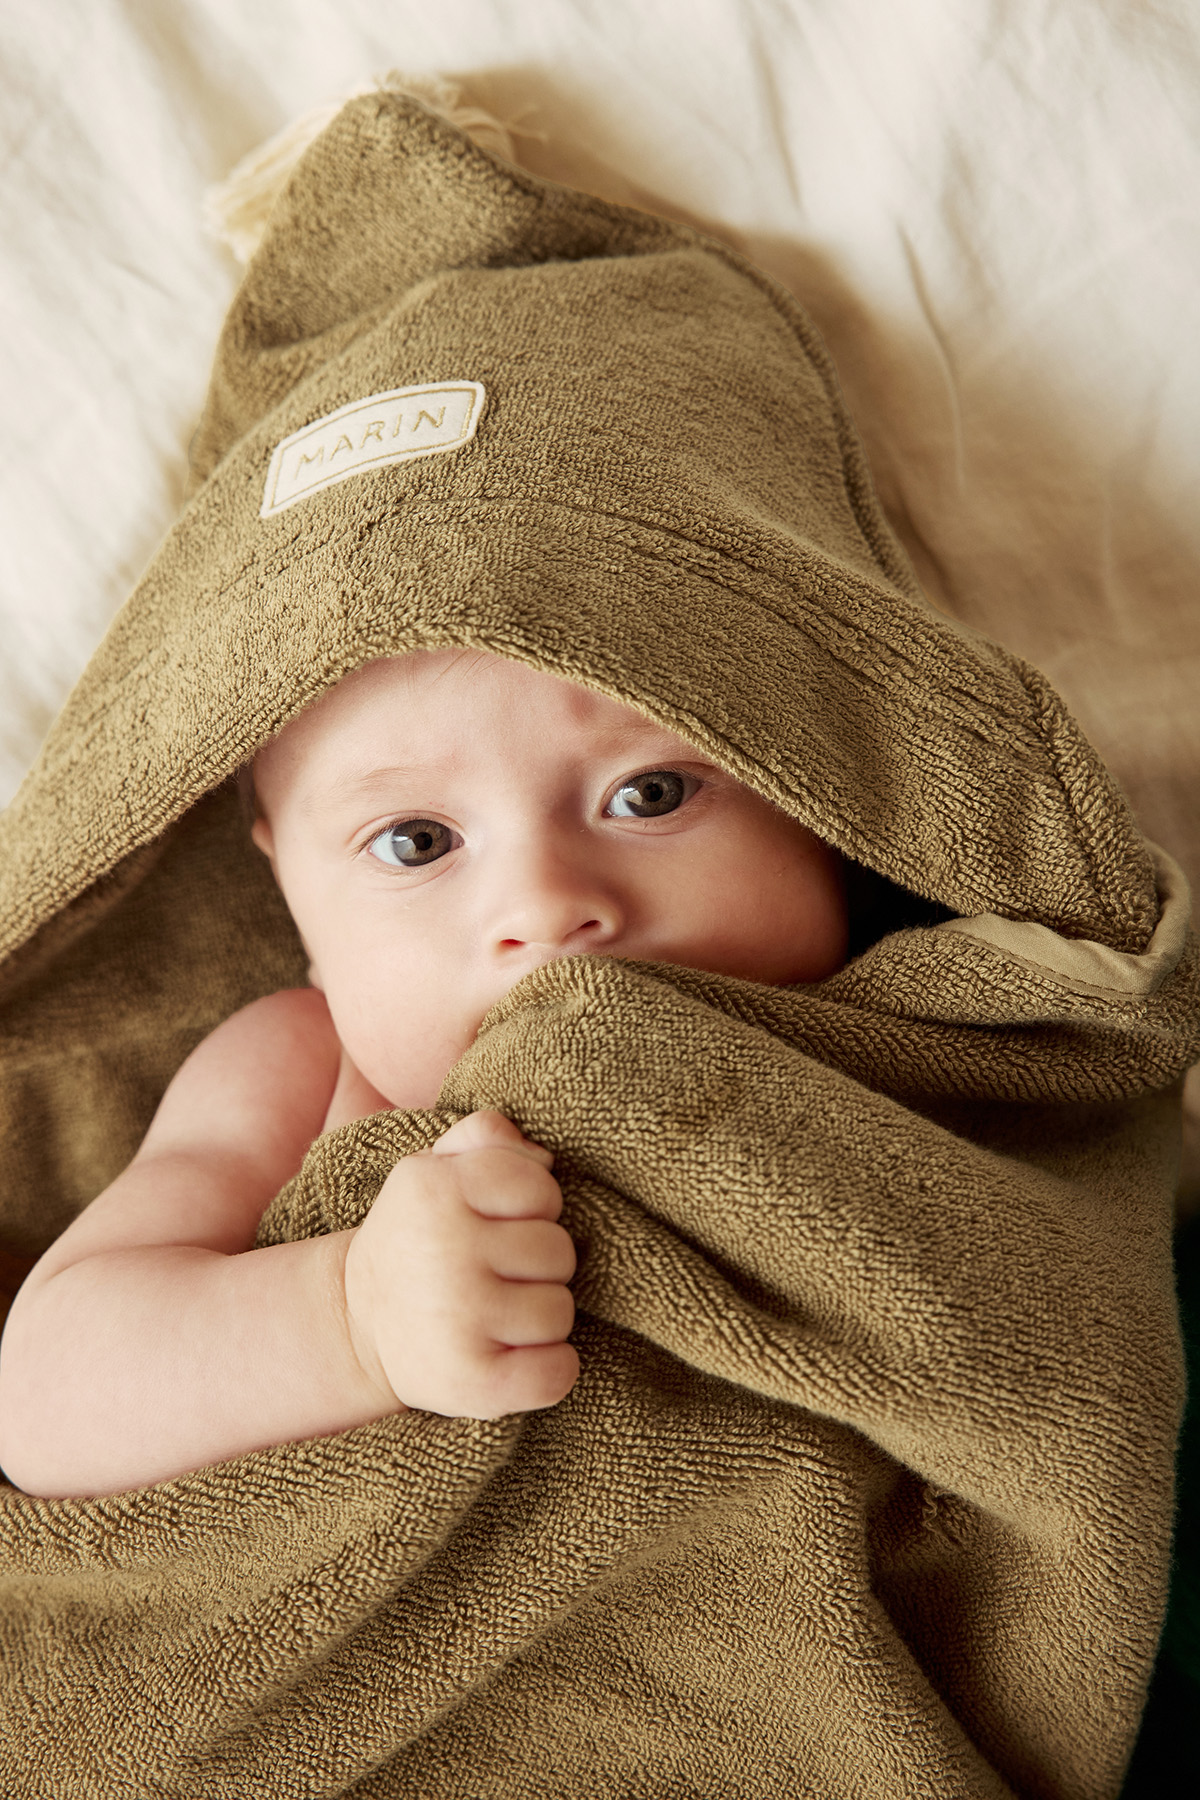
990 207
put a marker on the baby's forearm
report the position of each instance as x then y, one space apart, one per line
133 1365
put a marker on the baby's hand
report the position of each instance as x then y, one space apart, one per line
455 1280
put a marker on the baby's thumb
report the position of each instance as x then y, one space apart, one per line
487 1131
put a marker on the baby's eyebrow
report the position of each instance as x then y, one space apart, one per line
361 787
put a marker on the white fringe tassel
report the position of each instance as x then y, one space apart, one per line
236 210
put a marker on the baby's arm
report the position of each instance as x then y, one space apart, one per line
152 1339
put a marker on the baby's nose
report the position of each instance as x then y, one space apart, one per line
554 903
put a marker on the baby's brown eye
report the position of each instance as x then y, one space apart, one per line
412 843
647 796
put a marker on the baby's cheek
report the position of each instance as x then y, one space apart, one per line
797 909
405 1054
830 913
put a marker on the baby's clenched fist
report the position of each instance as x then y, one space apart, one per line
456 1294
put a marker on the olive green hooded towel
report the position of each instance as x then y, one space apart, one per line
865 1487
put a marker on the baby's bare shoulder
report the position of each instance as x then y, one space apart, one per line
293 1022
282 1035
259 1084
230 1131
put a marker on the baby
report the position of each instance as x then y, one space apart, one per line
440 825
534 588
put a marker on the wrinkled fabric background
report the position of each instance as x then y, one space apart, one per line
990 209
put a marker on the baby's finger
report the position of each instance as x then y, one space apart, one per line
529 1250
526 1379
523 1313
489 1130
495 1184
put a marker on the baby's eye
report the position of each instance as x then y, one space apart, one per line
647 796
412 842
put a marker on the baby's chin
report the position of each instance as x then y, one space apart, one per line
408 1086
409 1089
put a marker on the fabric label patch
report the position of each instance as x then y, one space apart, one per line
384 428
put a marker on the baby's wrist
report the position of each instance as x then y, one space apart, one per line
357 1308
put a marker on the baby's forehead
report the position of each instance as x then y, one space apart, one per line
451 680
455 710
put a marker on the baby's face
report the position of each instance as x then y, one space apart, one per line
443 823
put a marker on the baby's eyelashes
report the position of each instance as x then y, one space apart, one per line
411 843
651 794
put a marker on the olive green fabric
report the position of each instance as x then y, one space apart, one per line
865 1487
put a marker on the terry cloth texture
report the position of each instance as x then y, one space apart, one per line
865 1487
